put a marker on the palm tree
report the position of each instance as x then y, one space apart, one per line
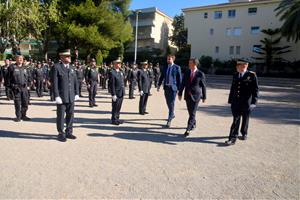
270 50
289 12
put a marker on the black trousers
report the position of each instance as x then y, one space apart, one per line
9 93
65 110
51 93
80 86
116 108
156 81
192 107
131 89
21 102
143 103
237 115
93 92
104 80
39 88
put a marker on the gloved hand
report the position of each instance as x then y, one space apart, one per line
58 100
114 98
76 98
141 93
252 106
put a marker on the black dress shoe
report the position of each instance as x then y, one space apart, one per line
95 105
25 118
194 126
168 124
230 142
90 105
62 137
115 123
71 136
243 137
146 113
120 121
17 120
187 133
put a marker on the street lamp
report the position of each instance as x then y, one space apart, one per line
136 33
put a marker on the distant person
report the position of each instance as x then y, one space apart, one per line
194 86
144 84
171 78
243 98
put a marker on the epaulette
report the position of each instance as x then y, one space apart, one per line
254 73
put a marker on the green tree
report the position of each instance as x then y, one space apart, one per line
289 12
270 50
179 37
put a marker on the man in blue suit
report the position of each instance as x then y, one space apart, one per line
171 78
194 84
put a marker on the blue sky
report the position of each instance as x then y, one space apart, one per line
172 7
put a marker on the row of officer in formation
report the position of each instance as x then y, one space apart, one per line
66 90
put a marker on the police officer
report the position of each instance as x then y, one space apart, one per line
5 75
151 76
156 71
39 79
92 80
117 90
66 92
103 73
132 79
144 87
80 77
18 80
243 98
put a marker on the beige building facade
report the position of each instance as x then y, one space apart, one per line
154 30
233 30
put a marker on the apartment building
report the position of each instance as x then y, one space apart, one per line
233 30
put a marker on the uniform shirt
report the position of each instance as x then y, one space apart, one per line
92 75
18 76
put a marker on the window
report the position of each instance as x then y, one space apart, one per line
255 30
211 31
231 13
228 31
237 31
231 50
217 49
206 15
218 14
252 11
257 48
238 50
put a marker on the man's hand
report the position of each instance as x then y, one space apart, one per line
141 93
76 97
180 98
58 100
252 106
114 98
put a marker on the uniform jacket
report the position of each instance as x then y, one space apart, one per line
144 81
117 83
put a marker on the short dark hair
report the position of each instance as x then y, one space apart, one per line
195 60
172 56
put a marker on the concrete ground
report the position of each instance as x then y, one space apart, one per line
142 159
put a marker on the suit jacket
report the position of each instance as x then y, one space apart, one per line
195 89
144 81
244 91
175 77
65 83
117 83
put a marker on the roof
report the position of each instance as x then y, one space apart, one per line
229 5
152 10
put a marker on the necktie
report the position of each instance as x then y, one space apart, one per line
192 76
168 74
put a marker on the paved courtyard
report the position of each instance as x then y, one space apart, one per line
142 159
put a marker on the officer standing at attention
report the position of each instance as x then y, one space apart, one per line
18 80
117 90
144 87
132 79
243 98
92 83
80 77
5 69
156 71
66 92
171 76
39 79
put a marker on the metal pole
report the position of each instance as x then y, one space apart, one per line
136 34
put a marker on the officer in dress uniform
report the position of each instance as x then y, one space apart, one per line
117 90
243 98
194 84
144 87
80 77
92 80
66 92
132 79
39 79
18 80
156 71
4 70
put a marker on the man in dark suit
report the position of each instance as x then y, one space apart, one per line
156 71
144 84
243 98
66 92
117 90
92 80
194 84
171 77
132 79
